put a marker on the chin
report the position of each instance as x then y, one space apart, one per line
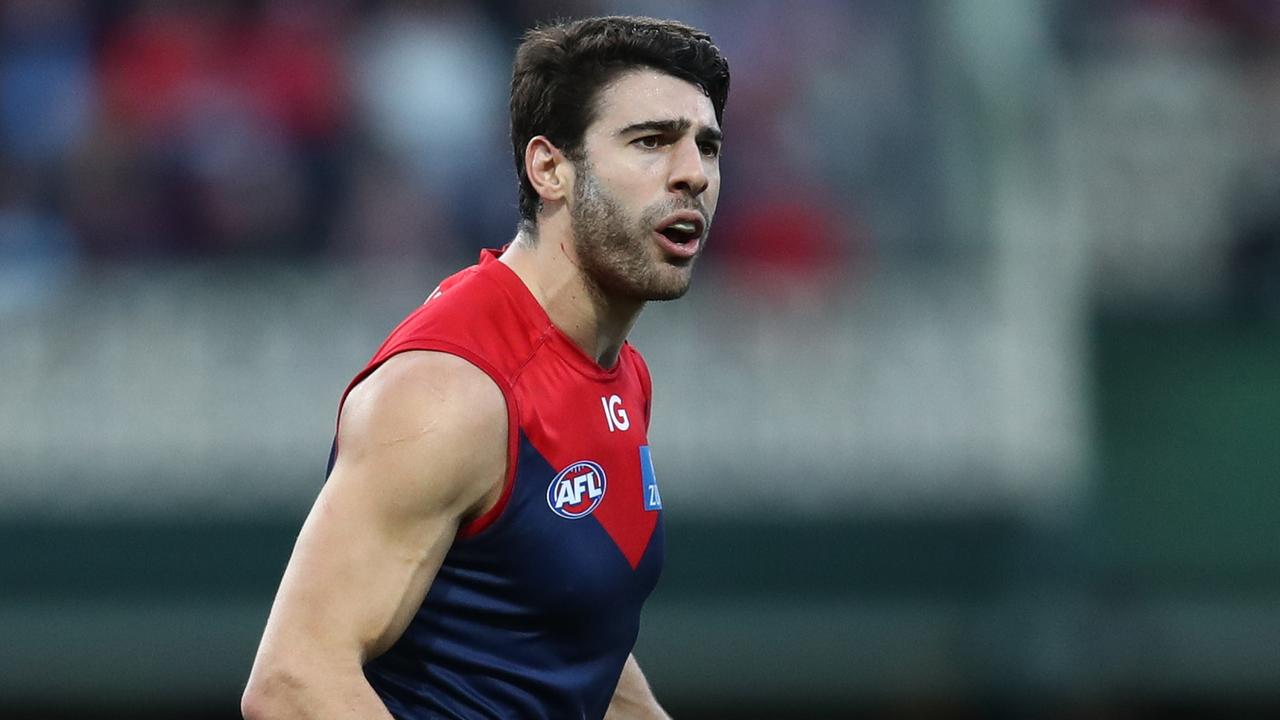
668 288
644 279
673 294
657 290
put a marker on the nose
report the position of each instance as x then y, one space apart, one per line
688 172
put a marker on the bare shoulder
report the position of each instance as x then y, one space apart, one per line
428 426
422 447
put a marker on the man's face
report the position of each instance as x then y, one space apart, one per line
646 189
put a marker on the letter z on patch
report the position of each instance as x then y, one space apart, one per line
652 498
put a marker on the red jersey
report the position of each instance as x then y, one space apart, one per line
537 604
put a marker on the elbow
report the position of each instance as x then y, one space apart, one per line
253 705
256 704
270 695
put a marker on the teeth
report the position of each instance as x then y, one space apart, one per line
684 227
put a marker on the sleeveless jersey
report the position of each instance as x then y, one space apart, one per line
537 604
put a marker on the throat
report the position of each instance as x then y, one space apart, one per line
595 319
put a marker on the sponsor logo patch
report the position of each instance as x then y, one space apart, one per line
652 498
577 490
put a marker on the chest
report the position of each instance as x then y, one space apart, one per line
582 531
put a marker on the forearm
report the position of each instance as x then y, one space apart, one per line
633 699
277 695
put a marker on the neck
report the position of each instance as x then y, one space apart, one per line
593 320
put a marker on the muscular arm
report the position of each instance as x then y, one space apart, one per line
633 700
422 449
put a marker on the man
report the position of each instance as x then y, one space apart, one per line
491 523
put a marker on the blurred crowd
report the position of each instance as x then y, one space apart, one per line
1177 105
280 128
331 128
146 129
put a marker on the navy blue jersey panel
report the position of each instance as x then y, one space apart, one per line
531 618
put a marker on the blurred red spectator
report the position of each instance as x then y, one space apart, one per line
161 66
234 113
791 238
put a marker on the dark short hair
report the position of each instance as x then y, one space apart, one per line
560 69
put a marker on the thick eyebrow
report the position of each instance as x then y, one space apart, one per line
673 127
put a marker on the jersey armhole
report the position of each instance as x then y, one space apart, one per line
491 515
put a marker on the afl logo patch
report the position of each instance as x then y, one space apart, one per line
577 490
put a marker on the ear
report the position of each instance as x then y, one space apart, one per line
549 171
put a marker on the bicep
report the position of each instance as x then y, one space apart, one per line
422 444
351 584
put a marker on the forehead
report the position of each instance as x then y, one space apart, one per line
646 94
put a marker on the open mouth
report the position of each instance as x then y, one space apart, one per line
682 229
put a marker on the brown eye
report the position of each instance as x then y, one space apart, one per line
649 142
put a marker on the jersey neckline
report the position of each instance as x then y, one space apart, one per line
561 343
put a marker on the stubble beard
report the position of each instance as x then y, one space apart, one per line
617 255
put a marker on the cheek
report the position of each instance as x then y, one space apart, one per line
632 191
624 179
712 194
